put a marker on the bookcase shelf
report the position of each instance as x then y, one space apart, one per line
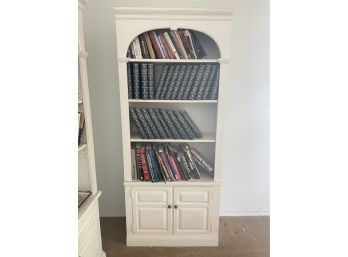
175 60
207 138
174 101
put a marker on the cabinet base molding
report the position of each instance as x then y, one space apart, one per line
179 240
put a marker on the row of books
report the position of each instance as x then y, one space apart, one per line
157 162
168 44
162 123
176 81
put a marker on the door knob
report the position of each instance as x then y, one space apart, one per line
169 206
175 206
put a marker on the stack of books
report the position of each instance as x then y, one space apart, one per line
157 162
176 81
166 44
154 123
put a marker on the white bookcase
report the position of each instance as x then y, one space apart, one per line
88 213
180 213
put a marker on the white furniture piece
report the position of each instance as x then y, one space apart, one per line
181 213
89 243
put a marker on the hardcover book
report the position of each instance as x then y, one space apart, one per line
136 80
203 83
193 126
129 78
210 81
173 80
197 82
137 123
178 82
213 94
190 81
144 123
149 45
167 82
170 124
144 81
150 71
163 76
143 46
171 46
180 94
156 45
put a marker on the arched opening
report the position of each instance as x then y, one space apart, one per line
173 44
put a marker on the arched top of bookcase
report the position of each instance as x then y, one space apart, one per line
200 40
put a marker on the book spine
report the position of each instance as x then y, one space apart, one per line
144 80
144 123
167 81
174 164
137 49
214 91
181 44
206 165
157 48
186 45
129 78
157 172
170 46
198 46
144 164
163 123
133 164
150 71
190 81
173 80
185 125
150 122
161 81
193 126
176 44
204 81
166 164
157 122
139 164
184 165
162 46
197 81
192 165
178 82
149 45
170 124
188 36
136 81
150 164
162 166
137 123
210 82
177 163
172 169
143 46
177 124
180 94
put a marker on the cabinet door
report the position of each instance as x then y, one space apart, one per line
193 212
151 214
90 249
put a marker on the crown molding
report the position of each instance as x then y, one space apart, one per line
172 13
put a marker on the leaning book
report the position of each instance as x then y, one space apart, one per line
83 195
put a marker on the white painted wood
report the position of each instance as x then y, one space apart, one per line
151 215
90 244
196 220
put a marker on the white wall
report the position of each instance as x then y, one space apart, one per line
245 166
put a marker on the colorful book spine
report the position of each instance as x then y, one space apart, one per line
188 37
196 82
202 162
189 132
180 94
173 80
133 164
150 77
137 123
162 46
156 45
150 122
157 171
192 124
214 91
161 164
139 164
149 45
190 81
172 169
129 78
157 122
144 164
178 82
181 44
136 80
170 46
173 164
144 123
177 124
167 81
137 48
176 44
170 124
144 81
174 154
186 45
166 164
152 170
204 82
184 165
192 165
210 82
143 46
162 79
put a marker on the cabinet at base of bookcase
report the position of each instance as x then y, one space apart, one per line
172 215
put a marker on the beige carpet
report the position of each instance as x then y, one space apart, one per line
239 237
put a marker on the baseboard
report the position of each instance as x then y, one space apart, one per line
238 214
170 241
112 214
229 214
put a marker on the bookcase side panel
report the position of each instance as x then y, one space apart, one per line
122 68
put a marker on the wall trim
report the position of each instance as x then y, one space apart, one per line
223 213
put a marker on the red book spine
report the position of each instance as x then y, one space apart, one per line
155 43
178 175
144 164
